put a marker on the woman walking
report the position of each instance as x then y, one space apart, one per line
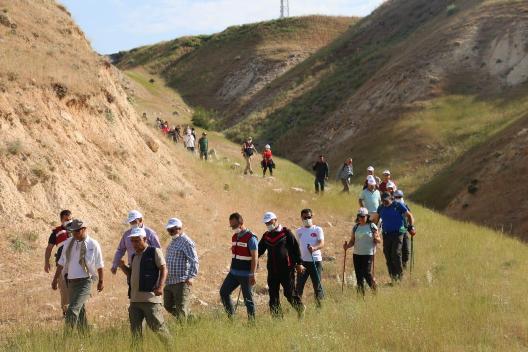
364 239
267 161
344 175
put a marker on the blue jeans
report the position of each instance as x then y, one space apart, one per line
230 284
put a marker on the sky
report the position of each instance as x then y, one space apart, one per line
114 25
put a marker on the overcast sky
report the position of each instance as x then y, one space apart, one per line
114 25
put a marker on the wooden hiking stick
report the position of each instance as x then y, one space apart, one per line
344 267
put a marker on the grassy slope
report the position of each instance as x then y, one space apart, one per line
198 73
466 294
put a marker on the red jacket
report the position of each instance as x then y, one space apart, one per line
267 155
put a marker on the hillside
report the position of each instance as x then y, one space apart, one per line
71 137
222 71
481 307
413 87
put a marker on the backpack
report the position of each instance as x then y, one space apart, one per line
357 225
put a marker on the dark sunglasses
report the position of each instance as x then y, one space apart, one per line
307 217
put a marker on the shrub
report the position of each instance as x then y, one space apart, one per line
109 115
204 118
452 9
14 147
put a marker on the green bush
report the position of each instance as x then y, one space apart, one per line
204 118
452 9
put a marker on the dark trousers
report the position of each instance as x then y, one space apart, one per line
286 279
406 249
319 184
267 165
392 249
314 271
363 270
230 284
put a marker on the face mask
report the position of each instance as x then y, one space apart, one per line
66 223
399 200
307 222
270 227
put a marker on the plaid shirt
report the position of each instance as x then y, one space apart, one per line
182 260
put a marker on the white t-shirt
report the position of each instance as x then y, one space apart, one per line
310 236
94 258
189 140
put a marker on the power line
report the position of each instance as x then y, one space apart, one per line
285 9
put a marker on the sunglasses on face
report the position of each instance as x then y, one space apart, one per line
306 217
361 216
398 197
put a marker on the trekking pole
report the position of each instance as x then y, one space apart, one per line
238 299
412 255
344 266
316 272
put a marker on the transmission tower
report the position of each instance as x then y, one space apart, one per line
285 9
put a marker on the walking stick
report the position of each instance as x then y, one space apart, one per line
412 255
316 272
344 266
238 299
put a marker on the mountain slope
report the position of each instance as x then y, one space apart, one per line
412 87
222 71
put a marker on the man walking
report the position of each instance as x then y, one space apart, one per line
58 236
135 220
182 265
81 263
387 180
188 141
203 145
406 248
244 259
248 149
370 172
284 258
146 278
311 241
370 197
393 215
321 174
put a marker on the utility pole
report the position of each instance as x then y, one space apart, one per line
285 9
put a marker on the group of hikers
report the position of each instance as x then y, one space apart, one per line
188 139
163 279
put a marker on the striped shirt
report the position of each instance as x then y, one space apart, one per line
182 260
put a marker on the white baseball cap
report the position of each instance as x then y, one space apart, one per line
133 215
392 185
398 193
370 168
386 172
371 180
138 232
173 222
268 217
363 211
267 146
